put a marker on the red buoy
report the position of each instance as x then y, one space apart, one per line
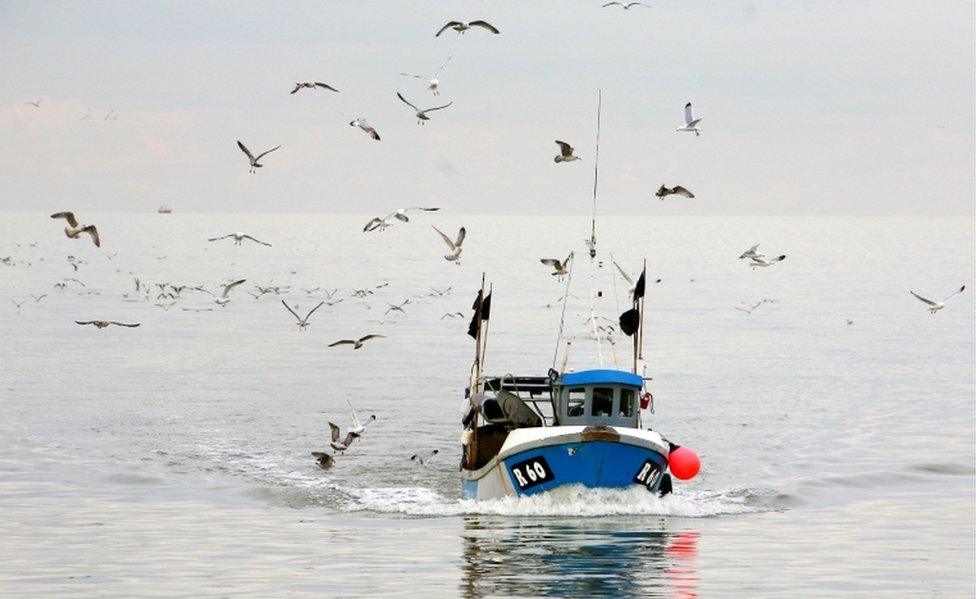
684 463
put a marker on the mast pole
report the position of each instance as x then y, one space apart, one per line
596 174
640 353
475 386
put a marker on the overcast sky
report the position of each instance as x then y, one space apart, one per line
810 107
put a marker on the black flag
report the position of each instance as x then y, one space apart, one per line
639 287
630 321
480 307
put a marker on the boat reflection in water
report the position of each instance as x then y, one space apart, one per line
567 557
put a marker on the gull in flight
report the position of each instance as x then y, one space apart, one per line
452 315
343 445
394 308
627 277
238 238
691 123
754 306
325 460
565 153
455 255
362 124
559 268
252 159
677 190
422 114
18 304
313 85
433 84
35 104
101 324
37 298
73 230
223 300
398 214
355 343
758 261
358 428
936 306
439 292
423 458
461 27
302 322
752 252
627 6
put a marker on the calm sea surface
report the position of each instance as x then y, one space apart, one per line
173 459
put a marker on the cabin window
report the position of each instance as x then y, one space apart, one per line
602 401
627 402
575 402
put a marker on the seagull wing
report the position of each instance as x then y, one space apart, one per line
689 114
123 324
355 416
443 65
438 107
623 273
229 286
343 342
462 232
91 230
350 437
68 216
219 238
422 208
326 86
565 149
312 311
681 191
926 300
612 4
335 431
375 222
446 239
447 26
298 86
550 262
297 317
244 149
412 75
368 337
483 25
404 100
84 322
961 289
266 152
256 240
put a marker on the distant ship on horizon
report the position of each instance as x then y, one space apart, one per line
164 210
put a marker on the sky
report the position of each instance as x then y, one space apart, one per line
810 108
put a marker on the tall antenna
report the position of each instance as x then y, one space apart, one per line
596 175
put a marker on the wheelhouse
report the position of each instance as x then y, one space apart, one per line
597 398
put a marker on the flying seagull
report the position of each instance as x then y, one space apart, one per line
35 104
461 27
238 238
101 324
565 153
627 6
343 445
395 308
455 255
73 230
362 124
559 268
936 306
678 190
223 300
752 308
399 214
355 343
325 460
302 322
452 315
691 123
421 114
759 261
752 252
433 84
358 428
313 85
252 159
423 458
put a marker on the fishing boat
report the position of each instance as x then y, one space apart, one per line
165 210
529 434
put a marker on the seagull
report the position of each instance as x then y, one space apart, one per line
399 214
101 324
302 322
358 427
432 82
422 114
678 190
343 445
936 306
452 315
455 255
325 460
223 300
461 27
627 6
251 158
559 268
313 85
754 306
758 261
35 104
37 298
752 253
438 292
565 153
691 123
73 230
362 124
238 238
423 458
18 304
331 303
849 322
393 308
355 343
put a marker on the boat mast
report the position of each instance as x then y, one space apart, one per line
596 175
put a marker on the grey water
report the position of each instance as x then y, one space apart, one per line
173 459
